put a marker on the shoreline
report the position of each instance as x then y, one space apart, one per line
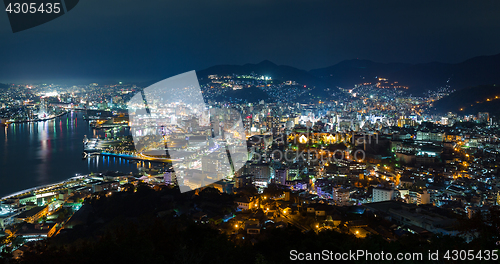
130 157
36 120
37 188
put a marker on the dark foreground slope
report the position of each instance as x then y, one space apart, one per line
155 226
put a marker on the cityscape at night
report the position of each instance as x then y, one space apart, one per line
308 131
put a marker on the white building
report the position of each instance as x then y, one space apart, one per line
383 194
424 198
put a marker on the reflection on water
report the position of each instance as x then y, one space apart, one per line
43 155
33 154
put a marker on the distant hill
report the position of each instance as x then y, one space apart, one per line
322 83
418 77
279 73
349 72
266 68
425 76
2 86
249 95
476 71
483 98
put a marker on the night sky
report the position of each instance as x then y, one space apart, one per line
131 40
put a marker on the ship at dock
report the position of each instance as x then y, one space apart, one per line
94 146
91 146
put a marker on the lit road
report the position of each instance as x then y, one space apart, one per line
293 221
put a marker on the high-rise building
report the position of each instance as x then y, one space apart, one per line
382 194
261 174
423 198
341 196
444 121
431 136
280 176
242 181
407 122
210 166
169 177
483 117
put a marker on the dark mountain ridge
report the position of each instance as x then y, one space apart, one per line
418 77
483 98
322 83
266 68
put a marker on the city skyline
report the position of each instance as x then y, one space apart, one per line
249 131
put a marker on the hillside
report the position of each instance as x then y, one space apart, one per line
248 95
321 83
418 77
484 98
266 68
349 72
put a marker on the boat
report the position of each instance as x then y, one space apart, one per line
90 154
